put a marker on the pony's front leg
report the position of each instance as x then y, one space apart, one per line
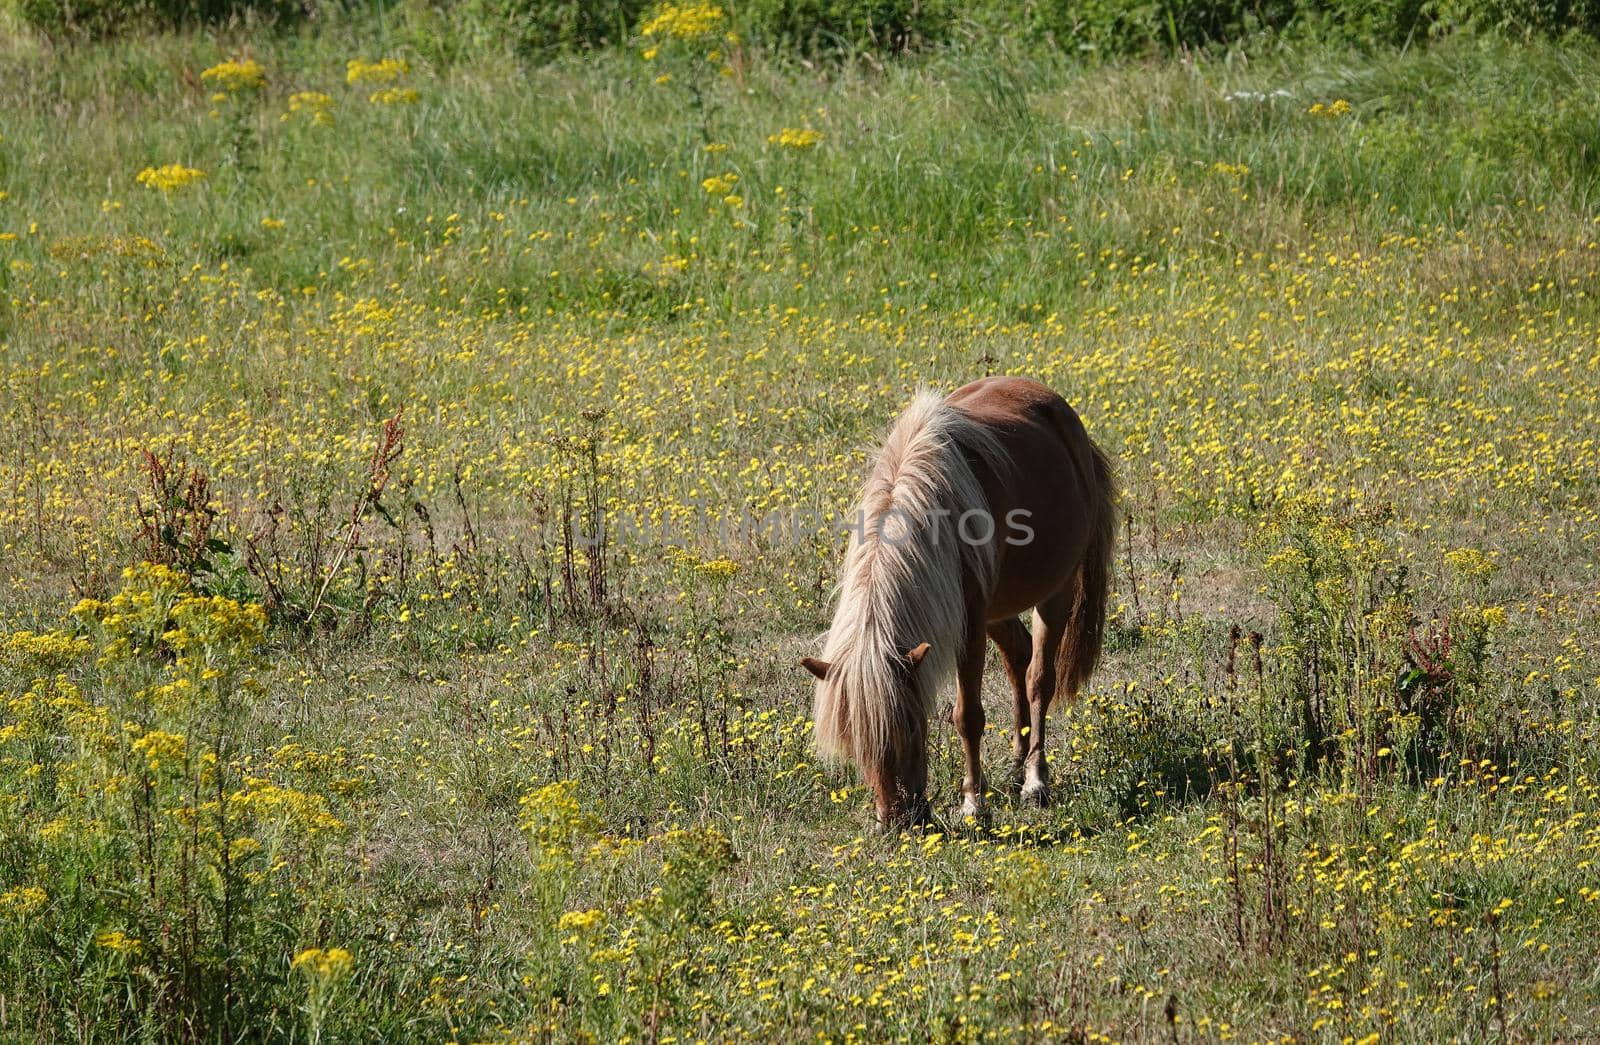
967 716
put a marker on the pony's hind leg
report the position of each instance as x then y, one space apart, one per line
1016 649
1050 620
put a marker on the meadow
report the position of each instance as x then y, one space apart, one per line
330 708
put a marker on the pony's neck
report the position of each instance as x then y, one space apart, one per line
903 593
908 578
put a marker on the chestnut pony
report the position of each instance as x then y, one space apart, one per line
980 505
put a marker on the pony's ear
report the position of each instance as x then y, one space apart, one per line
916 654
819 668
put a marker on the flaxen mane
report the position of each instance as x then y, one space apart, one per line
902 582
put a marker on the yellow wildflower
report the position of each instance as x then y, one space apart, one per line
394 96
23 901
683 21
157 746
579 920
52 648
386 70
314 104
119 942
169 177
553 818
1469 562
330 962
795 138
232 76
718 568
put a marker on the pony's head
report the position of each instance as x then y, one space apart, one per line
871 708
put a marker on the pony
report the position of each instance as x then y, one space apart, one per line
978 506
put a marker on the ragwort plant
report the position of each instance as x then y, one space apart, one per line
1375 688
172 862
689 43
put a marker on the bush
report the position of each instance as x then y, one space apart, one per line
538 28
1108 27
99 18
1112 27
542 28
821 26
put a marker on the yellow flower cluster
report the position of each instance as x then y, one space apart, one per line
324 962
118 942
795 138
1338 107
286 805
571 921
23 901
314 104
1470 562
394 96
49 651
553 818
236 75
684 21
159 746
157 609
385 70
720 568
169 177
217 624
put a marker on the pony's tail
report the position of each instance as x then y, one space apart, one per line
1080 651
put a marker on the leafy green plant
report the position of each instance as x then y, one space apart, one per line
140 765
532 28
98 18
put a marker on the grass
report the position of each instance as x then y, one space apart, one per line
380 750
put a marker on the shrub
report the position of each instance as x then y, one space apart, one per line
169 864
542 28
819 26
536 28
99 18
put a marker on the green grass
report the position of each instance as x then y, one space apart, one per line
1347 365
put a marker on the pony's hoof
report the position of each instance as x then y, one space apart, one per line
972 809
1036 794
913 816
